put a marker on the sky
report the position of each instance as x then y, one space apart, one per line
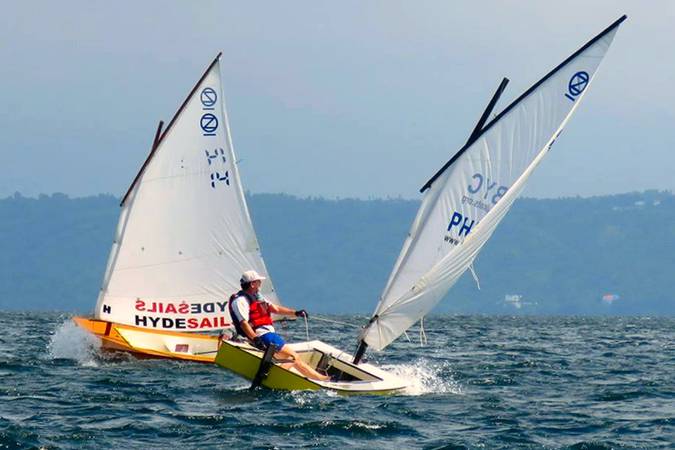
361 99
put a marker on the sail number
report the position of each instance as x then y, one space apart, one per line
218 158
488 187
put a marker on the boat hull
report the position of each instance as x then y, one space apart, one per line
244 360
152 343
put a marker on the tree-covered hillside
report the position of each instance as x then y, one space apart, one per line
547 257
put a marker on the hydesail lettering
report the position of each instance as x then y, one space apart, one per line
191 323
181 323
181 308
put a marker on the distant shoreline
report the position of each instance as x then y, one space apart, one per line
556 257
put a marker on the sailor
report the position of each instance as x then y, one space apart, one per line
252 318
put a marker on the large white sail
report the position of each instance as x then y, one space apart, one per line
184 235
468 198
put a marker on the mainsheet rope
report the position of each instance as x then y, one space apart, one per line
423 335
314 317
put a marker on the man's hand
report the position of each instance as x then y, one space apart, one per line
301 313
258 343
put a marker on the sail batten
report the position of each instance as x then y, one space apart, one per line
465 200
184 235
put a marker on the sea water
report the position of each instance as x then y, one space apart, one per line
479 382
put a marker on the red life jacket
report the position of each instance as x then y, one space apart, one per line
258 315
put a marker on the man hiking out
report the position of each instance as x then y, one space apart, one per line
252 318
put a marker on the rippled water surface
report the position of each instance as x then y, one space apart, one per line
480 382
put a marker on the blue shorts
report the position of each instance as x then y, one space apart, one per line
273 338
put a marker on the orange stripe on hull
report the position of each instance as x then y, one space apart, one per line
111 335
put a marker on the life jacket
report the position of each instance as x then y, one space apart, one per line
258 315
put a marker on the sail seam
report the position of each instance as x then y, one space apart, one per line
176 261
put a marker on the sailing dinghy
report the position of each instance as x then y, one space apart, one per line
463 204
183 239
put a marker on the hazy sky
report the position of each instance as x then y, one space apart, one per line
348 99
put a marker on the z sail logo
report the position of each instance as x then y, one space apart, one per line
208 122
208 98
577 85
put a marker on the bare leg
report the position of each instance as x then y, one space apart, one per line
299 364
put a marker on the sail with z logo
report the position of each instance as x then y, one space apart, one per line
467 198
183 239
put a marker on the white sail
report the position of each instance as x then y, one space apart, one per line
184 235
466 202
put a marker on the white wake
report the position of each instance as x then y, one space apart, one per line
426 377
72 342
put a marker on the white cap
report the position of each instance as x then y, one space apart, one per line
251 275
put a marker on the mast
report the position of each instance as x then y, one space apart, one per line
474 134
360 351
157 134
488 110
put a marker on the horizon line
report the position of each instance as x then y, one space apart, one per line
337 198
